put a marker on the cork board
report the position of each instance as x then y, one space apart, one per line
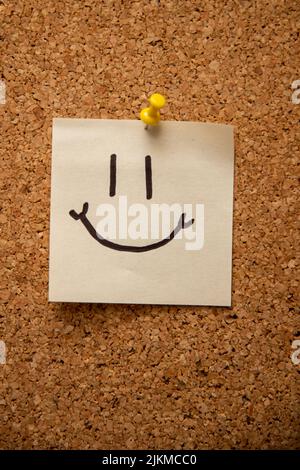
116 376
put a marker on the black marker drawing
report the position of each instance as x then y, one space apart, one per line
148 172
182 224
113 174
82 216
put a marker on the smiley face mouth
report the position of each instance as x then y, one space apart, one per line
82 216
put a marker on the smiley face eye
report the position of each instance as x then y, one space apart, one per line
148 173
113 175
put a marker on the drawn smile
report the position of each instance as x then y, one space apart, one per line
181 225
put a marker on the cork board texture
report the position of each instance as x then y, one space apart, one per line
154 377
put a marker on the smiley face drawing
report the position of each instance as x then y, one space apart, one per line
140 216
82 216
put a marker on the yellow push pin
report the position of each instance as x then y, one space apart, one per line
151 115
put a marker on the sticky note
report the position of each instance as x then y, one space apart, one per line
141 216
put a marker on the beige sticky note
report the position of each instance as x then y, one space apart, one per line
141 216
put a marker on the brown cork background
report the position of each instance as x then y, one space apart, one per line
131 377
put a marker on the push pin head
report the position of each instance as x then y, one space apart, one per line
151 115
